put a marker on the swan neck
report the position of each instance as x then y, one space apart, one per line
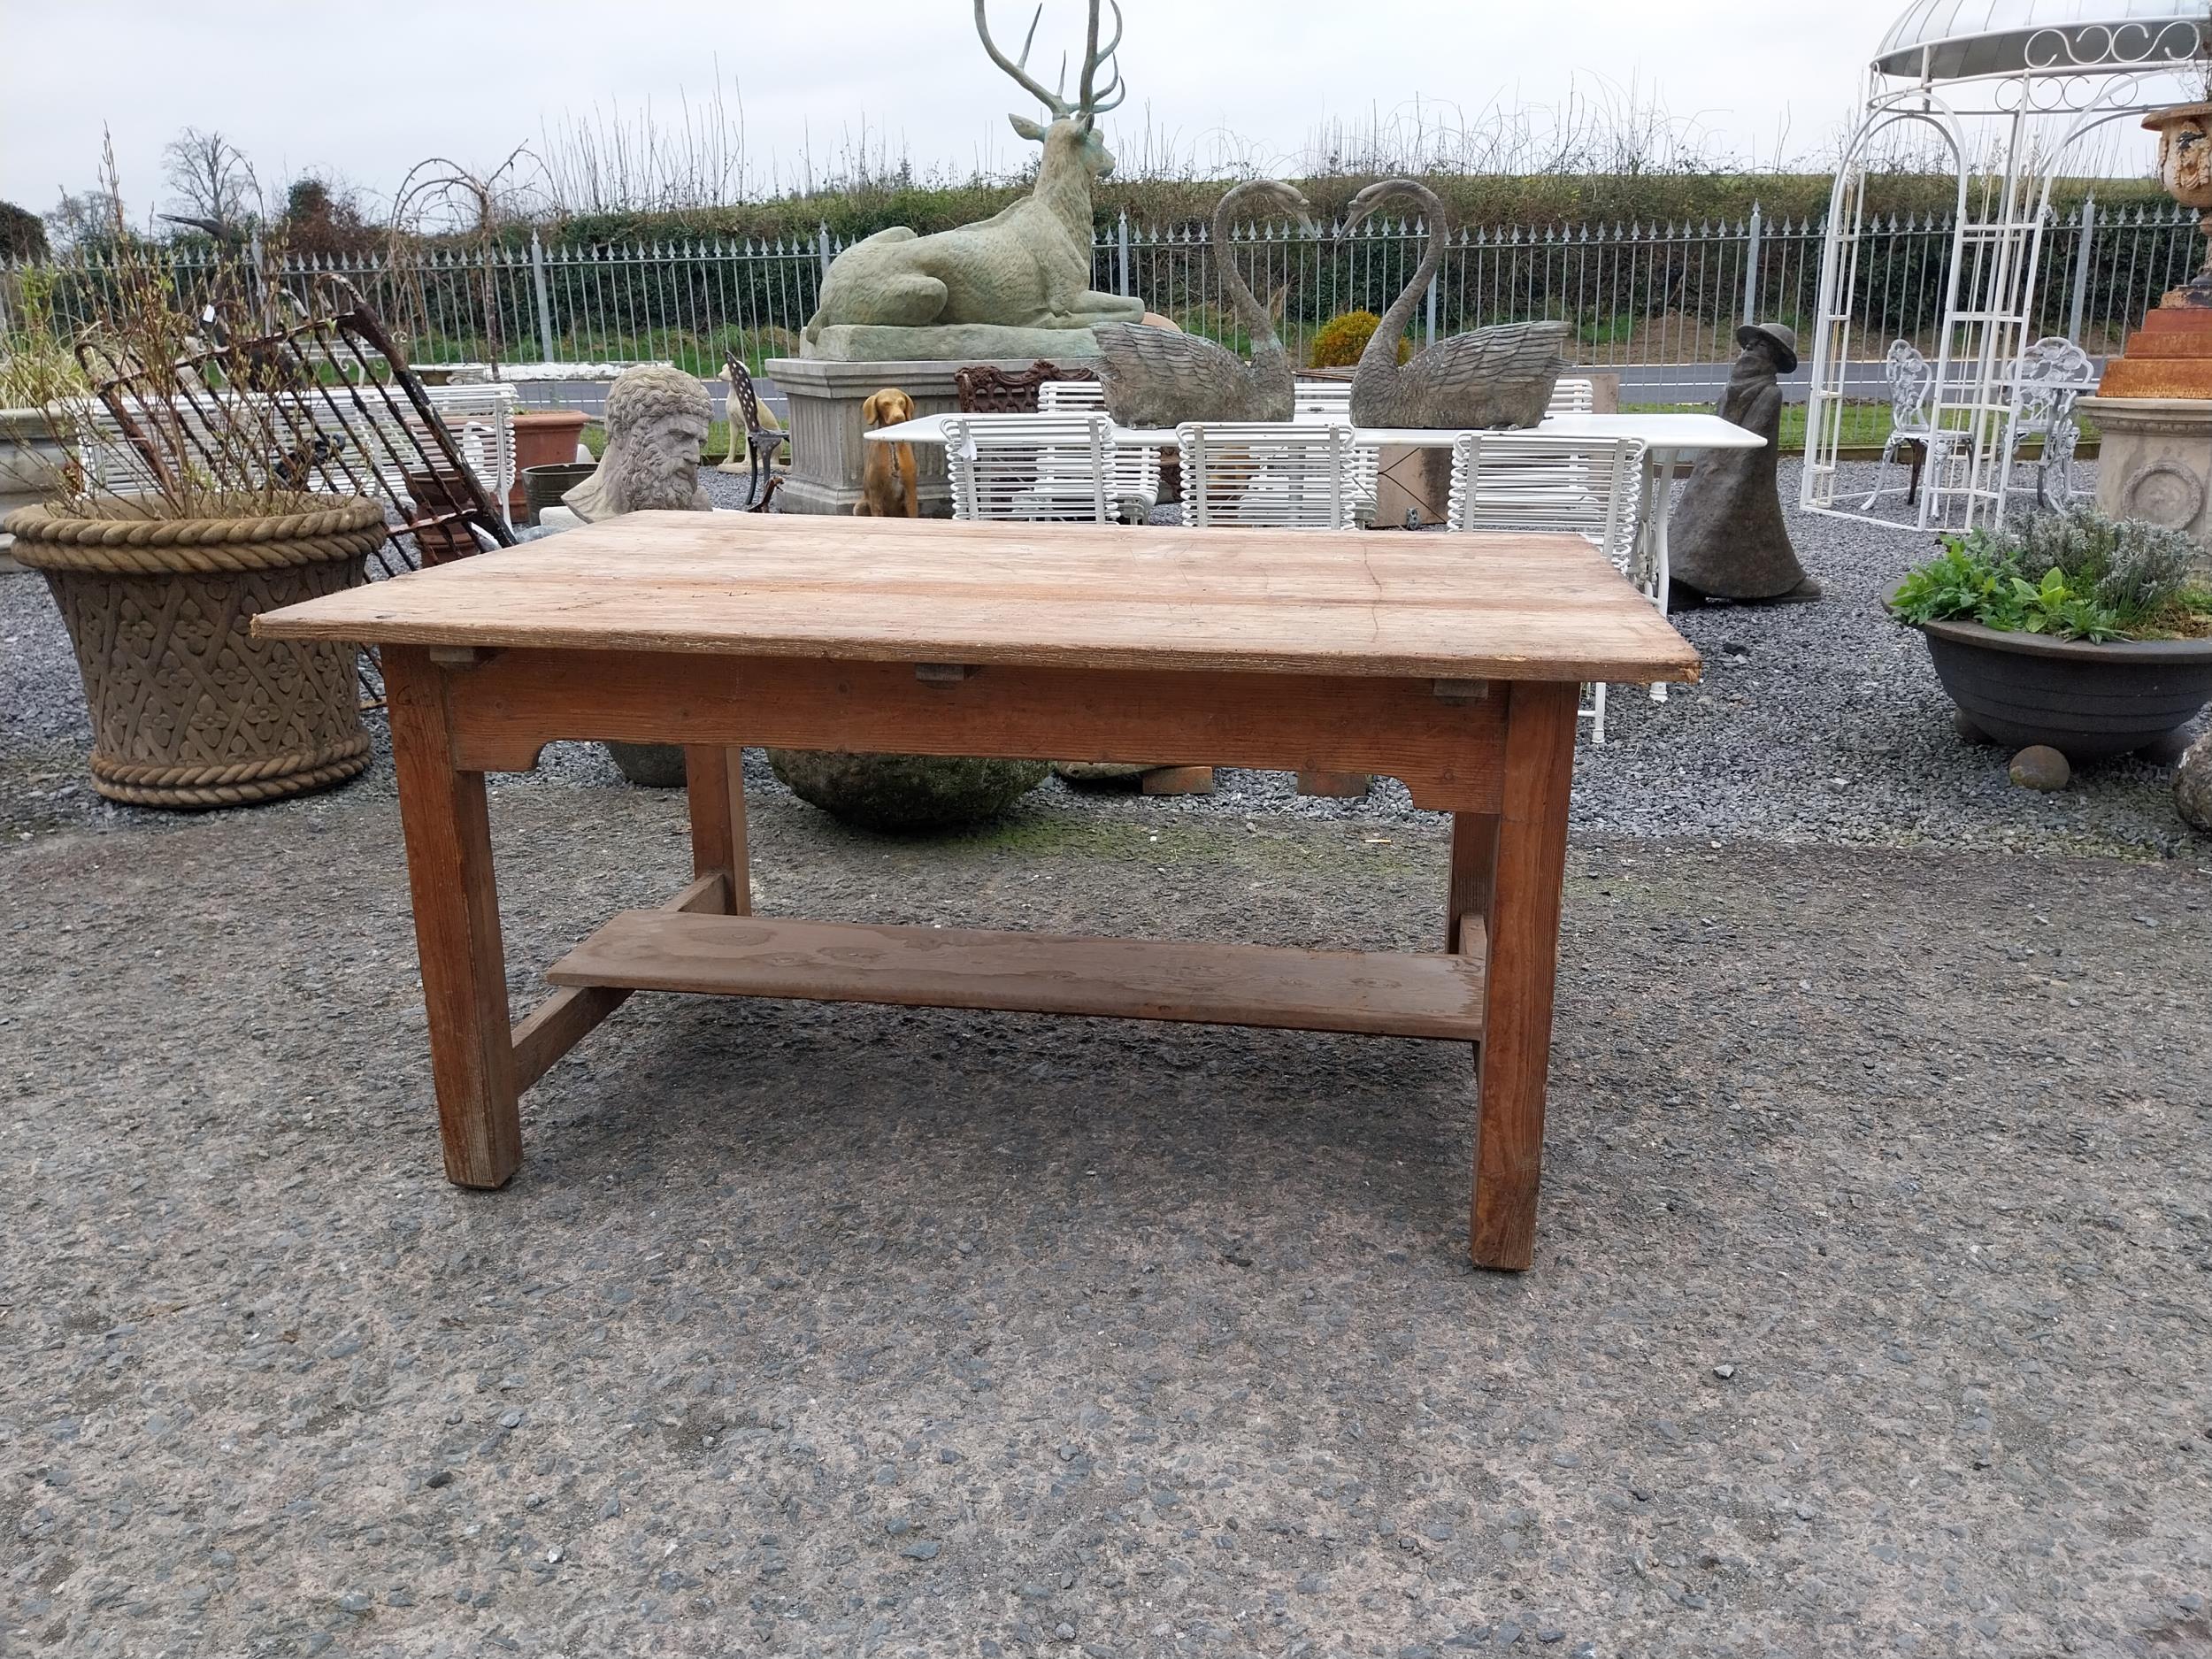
1259 324
1384 343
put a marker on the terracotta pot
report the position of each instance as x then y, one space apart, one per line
543 437
543 486
189 709
2085 701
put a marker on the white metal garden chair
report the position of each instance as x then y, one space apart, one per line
1283 476
481 419
1572 394
1589 487
1912 389
1036 468
1321 399
2052 373
1064 397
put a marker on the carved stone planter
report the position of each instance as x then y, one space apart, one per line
2155 462
188 710
31 466
2085 701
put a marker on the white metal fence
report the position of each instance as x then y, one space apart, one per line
1659 303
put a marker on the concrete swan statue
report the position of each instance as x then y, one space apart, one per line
1492 377
1155 377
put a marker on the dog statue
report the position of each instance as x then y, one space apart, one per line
886 481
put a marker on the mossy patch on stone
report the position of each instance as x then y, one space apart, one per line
905 793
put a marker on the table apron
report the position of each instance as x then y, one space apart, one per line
1448 750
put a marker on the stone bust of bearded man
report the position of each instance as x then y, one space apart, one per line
656 418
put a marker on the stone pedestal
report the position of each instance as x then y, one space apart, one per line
2170 357
2156 463
828 449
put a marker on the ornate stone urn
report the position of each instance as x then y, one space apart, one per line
2185 167
2154 405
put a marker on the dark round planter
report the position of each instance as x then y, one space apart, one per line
2085 701
544 486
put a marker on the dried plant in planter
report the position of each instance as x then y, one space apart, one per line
160 550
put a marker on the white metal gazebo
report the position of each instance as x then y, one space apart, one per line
2011 88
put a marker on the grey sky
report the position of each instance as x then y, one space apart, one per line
299 86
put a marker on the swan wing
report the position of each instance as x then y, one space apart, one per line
1489 377
1155 377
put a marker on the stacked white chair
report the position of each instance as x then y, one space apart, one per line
481 419
1588 486
1573 395
1063 397
1136 472
1288 477
1037 468
1321 399
303 433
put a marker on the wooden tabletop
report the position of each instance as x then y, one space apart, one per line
1489 606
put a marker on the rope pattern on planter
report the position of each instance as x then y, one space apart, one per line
147 547
234 784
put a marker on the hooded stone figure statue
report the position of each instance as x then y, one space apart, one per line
1727 539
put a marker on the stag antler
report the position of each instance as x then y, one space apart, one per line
1090 100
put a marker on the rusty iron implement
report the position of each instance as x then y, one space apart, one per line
321 402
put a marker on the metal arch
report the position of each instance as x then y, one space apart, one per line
1886 110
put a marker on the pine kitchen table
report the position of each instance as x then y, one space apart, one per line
1452 662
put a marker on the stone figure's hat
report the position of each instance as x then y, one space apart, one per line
1780 336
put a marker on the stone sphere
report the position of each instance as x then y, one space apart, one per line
1963 723
897 793
2192 784
2040 766
649 765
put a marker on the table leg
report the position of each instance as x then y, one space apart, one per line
1474 868
456 926
1530 867
1663 464
715 778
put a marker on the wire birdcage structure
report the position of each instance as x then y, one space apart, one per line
2013 91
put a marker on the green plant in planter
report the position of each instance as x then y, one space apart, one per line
2072 575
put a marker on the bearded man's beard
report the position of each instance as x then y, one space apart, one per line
653 480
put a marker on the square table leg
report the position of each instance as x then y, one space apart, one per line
456 926
714 777
1526 875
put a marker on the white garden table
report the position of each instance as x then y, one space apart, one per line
1670 440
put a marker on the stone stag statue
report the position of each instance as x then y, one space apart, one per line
1015 285
656 418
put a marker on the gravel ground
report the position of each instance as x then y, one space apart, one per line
1869 1313
1818 724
